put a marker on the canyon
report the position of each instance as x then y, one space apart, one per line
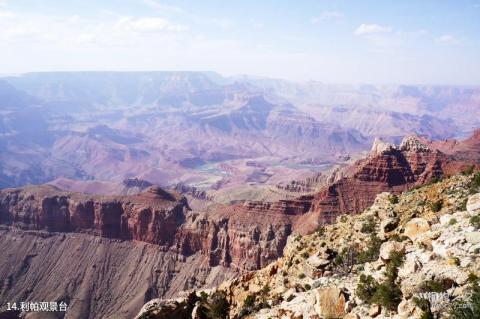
172 247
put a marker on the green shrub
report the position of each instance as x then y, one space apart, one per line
452 221
463 206
436 206
475 184
301 276
437 285
307 287
372 252
249 301
476 180
468 170
368 226
219 306
387 293
321 231
366 288
305 254
425 306
475 221
398 238
393 199
468 308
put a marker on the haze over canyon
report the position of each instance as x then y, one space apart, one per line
154 183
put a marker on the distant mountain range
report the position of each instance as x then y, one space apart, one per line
187 127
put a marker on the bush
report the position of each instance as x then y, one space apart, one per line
305 254
475 183
307 287
452 221
468 170
321 231
368 226
249 301
475 221
398 238
476 180
463 206
218 305
386 294
372 252
301 276
366 288
436 206
425 306
468 308
437 285
393 199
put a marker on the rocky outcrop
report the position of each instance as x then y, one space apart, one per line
370 274
388 168
152 216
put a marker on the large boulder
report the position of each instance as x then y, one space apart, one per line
390 246
473 204
330 302
180 308
415 228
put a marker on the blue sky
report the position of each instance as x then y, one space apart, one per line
336 41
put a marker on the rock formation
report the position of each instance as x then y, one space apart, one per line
424 265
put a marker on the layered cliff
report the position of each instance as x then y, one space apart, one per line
389 167
125 250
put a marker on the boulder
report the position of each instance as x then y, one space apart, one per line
407 309
330 302
416 227
389 224
473 204
390 246
473 237
410 266
374 311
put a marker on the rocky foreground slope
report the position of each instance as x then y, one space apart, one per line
416 255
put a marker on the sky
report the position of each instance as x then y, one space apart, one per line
335 41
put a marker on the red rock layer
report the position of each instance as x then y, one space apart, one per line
229 236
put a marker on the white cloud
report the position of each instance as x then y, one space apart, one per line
223 23
446 39
328 15
364 29
162 7
148 24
